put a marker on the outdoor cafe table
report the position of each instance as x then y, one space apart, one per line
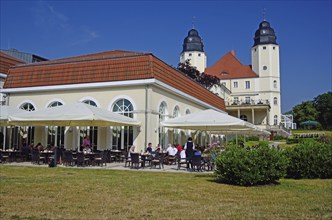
117 154
91 156
145 157
12 154
46 154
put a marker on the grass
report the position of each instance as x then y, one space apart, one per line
67 193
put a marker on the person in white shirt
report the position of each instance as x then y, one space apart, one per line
171 150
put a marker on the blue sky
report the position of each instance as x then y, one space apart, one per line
58 29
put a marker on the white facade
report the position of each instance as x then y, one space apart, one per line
265 62
196 59
147 98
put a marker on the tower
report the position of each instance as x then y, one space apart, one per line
265 63
193 51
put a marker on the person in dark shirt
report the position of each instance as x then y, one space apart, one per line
149 148
189 148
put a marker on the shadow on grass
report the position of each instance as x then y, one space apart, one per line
215 180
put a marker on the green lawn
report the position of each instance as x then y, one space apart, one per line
67 193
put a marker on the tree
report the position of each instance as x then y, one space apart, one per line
323 104
205 80
305 112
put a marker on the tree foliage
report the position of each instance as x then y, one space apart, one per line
305 112
205 80
319 109
323 104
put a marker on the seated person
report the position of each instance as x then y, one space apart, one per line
179 148
131 150
87 149
149 148
158 148
171 150
39 147
197 153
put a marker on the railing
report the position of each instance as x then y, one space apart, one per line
248 102
279 127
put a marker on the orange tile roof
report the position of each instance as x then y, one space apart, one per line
229 67
107 67
7 61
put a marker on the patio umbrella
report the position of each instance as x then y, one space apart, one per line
212 121
77 114
5 111
209 120
310 123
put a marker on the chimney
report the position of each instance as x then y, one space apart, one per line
233 53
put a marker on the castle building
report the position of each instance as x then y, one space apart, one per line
251 92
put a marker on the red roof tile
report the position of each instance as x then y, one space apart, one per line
107 67
7 61
229 67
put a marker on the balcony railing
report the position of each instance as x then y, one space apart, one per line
248 102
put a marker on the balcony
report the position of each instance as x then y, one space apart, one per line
247 103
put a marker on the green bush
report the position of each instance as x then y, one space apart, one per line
250 166
252 138
292 141
278 137
310 159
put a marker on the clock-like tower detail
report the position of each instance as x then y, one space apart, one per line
193 51
265 63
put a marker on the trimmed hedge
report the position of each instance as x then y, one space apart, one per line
310 159
250 166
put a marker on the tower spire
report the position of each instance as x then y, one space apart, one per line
264 14
193 22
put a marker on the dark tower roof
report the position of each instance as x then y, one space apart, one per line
265 34
193 42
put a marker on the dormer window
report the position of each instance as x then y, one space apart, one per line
224 73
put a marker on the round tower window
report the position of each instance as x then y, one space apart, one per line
264 67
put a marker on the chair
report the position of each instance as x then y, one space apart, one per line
101 158
180 161
36 158
197 163
135 160
158 159
208 163
68 158
172 159
127 160
3 158
81 160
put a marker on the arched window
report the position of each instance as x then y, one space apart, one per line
244 117
56 134
162 111
123 136
275 84
54 104
275 120
90 102
275 100
124 107
187 112
176 112
27 107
